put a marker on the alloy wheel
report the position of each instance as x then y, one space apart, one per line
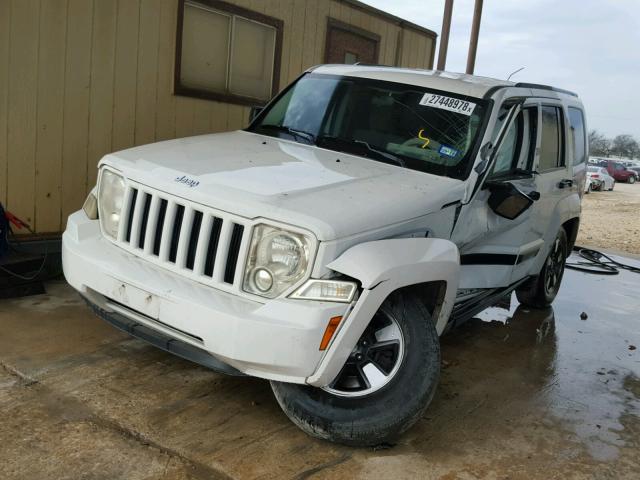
374 361
554 268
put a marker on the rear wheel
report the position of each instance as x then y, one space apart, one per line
541 290
613 184
632 179
386 383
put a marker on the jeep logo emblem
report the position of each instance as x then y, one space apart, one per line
187 181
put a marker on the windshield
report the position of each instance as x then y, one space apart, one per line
410 126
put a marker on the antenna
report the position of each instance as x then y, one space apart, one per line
513 73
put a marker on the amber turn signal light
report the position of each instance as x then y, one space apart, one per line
328 333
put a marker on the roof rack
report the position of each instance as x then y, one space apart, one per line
544 87
365 64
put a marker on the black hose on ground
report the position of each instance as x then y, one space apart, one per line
598 263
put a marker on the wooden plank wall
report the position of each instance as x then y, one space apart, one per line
82 78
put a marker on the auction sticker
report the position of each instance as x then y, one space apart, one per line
448 103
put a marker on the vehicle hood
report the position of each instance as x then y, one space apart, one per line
333 194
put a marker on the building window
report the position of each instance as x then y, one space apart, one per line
226 53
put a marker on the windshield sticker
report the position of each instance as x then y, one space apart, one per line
448 103
448 151
424 139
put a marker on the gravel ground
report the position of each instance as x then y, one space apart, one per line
611 220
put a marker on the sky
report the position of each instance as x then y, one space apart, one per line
591 47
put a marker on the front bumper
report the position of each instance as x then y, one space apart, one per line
276 340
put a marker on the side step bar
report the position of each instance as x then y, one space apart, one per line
468 309
162 341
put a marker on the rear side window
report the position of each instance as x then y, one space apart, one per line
552 145
578 135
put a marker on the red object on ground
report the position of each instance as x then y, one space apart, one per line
15 221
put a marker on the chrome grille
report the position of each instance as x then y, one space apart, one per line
195 240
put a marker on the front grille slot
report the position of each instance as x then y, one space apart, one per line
162 211
194 240
234 250
175 234
132 207
145 219
212 248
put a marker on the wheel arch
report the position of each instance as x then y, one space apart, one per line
427 268
571 228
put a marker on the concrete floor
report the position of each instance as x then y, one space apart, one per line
524 394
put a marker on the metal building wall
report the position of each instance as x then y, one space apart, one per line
82 78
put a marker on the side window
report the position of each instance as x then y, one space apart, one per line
552 145
518 146
578 136
506 156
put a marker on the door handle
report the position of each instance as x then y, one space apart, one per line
566 182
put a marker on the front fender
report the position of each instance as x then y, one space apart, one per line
382 267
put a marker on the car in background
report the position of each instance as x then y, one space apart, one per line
631 163
600 178
588 185
619 172
637 170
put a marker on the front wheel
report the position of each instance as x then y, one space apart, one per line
385 385
632 179
541 290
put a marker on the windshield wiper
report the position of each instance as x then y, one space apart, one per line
309 137
362 148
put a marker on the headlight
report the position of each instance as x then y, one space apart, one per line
277 260
326 290
110 198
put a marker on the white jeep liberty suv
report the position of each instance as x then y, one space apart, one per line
365 211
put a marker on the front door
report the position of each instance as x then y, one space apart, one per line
349 44
493 247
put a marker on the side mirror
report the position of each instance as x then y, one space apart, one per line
508 201
255 111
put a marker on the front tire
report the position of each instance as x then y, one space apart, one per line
373 402
632 179
541 290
